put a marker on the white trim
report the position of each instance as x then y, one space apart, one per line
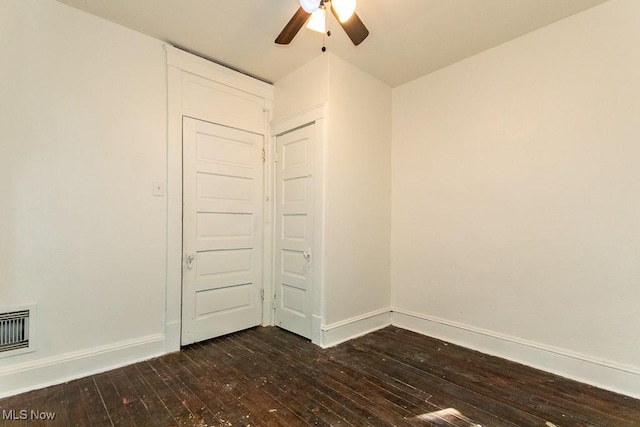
269 215
309 115
179 63
354 327
320 223
173 335
313 114
587 369
49 371
173 311
316 329
210 70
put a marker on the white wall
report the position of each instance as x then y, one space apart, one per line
82 138
516 199
302 89
358 200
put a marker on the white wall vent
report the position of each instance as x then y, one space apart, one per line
17 331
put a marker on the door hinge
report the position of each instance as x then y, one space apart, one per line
262 294
264 155
273 304
275 158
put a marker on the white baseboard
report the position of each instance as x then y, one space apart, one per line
605 374
49 371
354 327
600 373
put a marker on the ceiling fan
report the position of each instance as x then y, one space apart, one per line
314 11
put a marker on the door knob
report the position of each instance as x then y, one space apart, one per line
188 259
307 255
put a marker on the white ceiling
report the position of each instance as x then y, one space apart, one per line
409 38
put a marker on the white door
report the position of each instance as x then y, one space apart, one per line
294 230
222 230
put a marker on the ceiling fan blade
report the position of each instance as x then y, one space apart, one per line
293 26
354 28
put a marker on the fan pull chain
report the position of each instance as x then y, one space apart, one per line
326 34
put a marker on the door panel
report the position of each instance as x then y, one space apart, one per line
222 230
294 226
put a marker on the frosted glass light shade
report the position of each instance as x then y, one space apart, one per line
317 21
344 8
310 6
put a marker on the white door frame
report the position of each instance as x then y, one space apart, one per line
315 114
181 66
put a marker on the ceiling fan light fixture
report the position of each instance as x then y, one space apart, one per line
317 22
310 6
344 9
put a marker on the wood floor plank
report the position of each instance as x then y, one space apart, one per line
231 390
53 403
261 374
434 384
164 393
287 387
129 398
11 407
191 409
302 375
270 377
209 381
504 402
495 377
96 412
155 408
252 372
75 408
118 413
353 399
346 372
358 380
416 400
204 385
199 411
264 408
445 394
310 378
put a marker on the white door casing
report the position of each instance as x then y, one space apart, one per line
294 230
222 230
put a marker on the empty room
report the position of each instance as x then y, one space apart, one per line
320 212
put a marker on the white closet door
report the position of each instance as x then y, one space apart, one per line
222 230
294 230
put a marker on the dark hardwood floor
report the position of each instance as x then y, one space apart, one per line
269 377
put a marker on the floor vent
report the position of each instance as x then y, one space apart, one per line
14 330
